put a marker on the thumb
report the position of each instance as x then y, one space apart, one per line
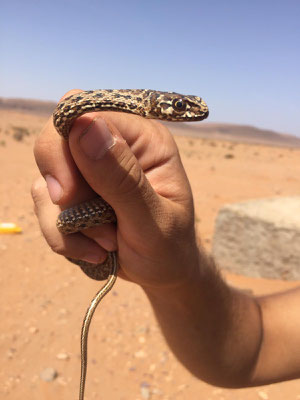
109 166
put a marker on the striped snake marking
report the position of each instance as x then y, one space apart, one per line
145 103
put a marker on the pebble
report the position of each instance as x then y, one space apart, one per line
263 395
143 329
10 352
48 374
228 156
33 329
140 354
152 367
62 356
145 390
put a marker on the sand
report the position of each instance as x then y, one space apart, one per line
44 297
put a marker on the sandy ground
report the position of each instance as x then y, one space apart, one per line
44 298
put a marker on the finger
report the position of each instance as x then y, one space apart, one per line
112 170
75 245
104 235
65 183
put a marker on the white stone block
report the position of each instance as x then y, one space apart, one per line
260 238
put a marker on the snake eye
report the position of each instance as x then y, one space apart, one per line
179 104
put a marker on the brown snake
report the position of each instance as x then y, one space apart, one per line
146 103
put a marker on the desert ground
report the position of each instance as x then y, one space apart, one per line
44 298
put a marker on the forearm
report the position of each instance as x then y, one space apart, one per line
214 330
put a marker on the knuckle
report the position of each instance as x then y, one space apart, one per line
43 144
53 238
70 93
37 191
56 245
130 177
41 147
34 192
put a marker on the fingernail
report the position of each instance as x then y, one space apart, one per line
54 188
96 139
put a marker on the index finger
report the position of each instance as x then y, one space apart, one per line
56 164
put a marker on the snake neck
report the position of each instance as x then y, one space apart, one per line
130 101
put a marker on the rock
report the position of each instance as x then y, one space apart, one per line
140 354
33 329
62 356
262 395
152 368
145 390
144 329
142 339
228 156
48 374
10 353
259 238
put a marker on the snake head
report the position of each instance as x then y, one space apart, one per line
177 107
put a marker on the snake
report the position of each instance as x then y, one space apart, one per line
146 103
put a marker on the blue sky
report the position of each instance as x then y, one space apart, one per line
242 57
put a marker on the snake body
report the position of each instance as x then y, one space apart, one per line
145 103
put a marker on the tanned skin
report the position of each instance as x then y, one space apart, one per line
220 334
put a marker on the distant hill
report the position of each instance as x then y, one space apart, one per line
208 130
27 105
233 132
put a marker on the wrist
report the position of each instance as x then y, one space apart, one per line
203 319
200 276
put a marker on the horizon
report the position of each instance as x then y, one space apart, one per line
190 125
243 59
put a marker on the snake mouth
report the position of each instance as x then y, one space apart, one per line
205 115
201 116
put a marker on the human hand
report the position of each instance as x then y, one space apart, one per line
133 163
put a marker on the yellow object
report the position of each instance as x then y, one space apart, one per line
9 227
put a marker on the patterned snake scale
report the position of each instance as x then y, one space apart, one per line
145 103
